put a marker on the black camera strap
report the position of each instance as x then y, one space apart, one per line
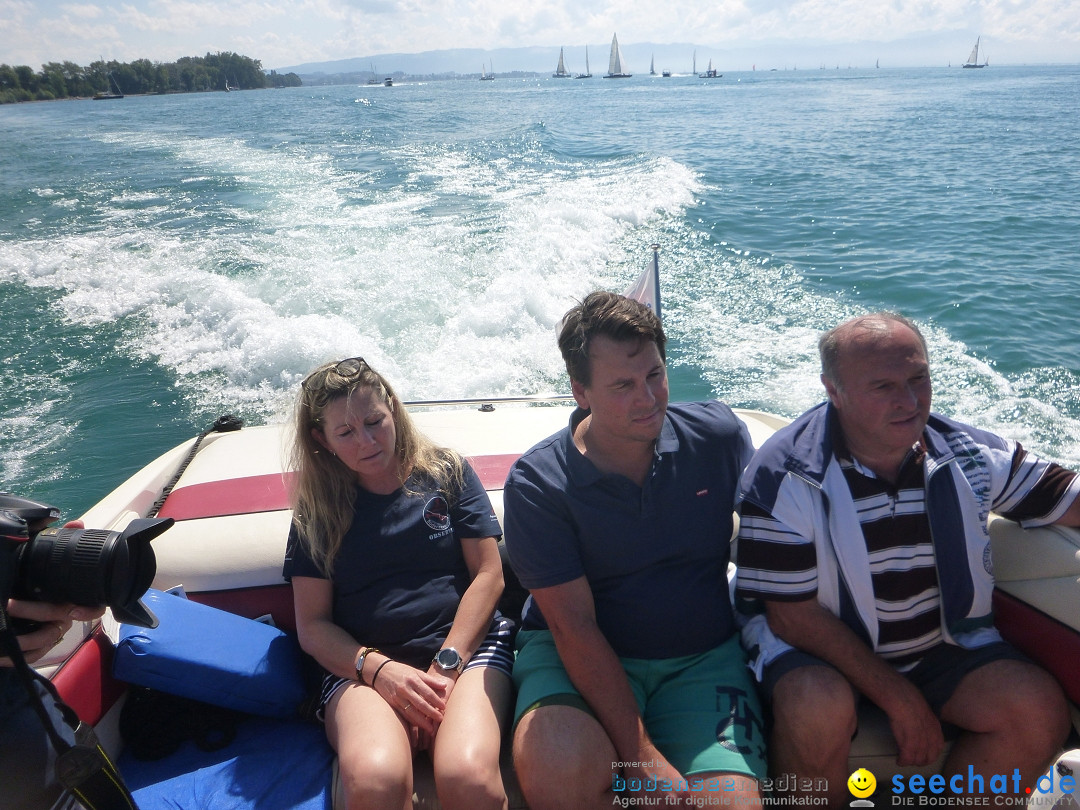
84 768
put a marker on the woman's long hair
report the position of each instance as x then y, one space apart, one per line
326 489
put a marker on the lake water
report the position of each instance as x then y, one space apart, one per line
167 259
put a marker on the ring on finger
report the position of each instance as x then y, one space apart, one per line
406 707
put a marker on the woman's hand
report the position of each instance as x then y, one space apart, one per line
418 697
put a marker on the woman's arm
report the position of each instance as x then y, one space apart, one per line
473 617
417 696
334 648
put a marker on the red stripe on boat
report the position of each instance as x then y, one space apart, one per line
493 470
270 493
230 496
1054 645
85 681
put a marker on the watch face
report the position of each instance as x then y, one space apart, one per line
448 658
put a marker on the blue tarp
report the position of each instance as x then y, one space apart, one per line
271 765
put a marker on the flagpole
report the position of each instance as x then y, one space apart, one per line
656 274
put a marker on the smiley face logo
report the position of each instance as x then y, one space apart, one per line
861 783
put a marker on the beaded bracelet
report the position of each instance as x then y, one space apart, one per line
364 652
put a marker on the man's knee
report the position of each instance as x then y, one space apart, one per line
1035 701
815 702
562 754
1009 695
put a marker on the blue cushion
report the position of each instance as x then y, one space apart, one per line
213 656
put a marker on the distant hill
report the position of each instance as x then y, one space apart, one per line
918 51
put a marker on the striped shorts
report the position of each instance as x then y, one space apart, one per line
496 650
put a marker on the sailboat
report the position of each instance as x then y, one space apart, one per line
587 74
710 72
561 72
973 58
374 76
487 77
616 68
652 65
109 93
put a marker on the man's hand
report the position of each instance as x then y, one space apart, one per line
55 621
916 729
653 767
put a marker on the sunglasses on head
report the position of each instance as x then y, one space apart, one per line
349 367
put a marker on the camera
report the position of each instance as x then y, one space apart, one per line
92 567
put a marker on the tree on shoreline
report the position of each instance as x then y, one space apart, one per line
189 74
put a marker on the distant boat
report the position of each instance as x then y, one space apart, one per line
487 77
561 72
652 65
388 81
587 74
710 73
374 76
666 74
616 68
108 94
973 58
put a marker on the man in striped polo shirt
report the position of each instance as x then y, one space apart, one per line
864 555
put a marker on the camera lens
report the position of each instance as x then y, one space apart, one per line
92 567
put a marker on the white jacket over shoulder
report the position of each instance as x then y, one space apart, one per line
796 478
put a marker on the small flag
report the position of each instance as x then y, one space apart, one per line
646 290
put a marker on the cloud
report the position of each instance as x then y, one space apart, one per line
180 17
84 11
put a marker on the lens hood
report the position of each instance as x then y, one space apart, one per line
94 567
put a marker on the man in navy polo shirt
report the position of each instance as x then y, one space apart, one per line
631 679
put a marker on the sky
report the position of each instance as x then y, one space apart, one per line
293 32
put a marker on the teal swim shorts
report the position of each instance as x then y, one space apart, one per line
701 711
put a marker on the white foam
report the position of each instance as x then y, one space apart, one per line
448 267
450 281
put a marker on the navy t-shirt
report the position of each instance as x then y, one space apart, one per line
655 557
400 572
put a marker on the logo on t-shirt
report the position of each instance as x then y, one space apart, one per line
437 513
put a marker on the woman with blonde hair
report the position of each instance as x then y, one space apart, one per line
396 572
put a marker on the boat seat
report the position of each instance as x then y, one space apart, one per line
228 545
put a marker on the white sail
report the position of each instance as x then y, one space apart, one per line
973 58
587 74
561 71
616 68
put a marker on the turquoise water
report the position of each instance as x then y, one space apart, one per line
167 259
